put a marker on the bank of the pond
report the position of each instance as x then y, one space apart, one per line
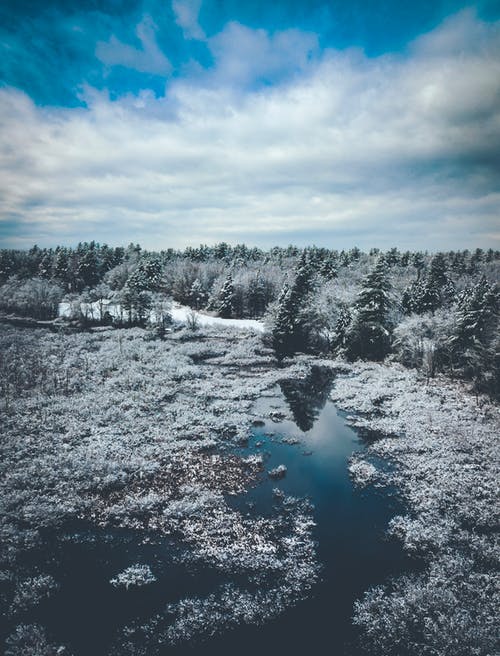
442 443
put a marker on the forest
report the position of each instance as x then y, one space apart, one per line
225 448
435 312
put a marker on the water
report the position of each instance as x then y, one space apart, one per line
350 536
350 530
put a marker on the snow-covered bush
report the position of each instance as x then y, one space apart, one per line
134 576
422 341
29 592
278 472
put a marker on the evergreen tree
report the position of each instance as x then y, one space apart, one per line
328 269
369 334
62 267
342 327
88 267
392 257
147 276
257 296
225 301
45 266
289 333
438 271
405 258
428 293
475 340
136 303
418 262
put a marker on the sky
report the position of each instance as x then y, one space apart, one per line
179 122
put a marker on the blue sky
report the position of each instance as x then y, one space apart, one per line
186 121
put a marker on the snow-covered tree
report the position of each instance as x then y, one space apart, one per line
289 332
147 276
197 295
369 335
225 301
474 342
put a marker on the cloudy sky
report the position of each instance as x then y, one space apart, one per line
179 122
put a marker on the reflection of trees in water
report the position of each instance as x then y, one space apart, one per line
307 397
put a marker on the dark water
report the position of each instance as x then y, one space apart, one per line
350 535
352 547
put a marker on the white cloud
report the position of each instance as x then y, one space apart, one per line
243 56
391 150
148 59
186 16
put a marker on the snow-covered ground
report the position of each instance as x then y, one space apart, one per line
443 447
120 430
114 429
181 314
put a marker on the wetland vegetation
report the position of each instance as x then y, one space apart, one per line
326 469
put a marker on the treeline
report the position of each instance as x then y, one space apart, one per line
435 312
445 319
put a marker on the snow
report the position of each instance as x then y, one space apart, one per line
278 472
134 576
113 429
181 314
442 446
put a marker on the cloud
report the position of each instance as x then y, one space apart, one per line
186 14
348 149
147 59
244 56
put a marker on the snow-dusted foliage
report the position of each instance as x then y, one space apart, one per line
278 472
142 432
134 576
120 431
29 592
36 298
31 640
443 447
281 559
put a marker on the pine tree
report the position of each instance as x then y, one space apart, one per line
392 257
256 296
147 276
225 305
369 334
418 262
342 327
45 266
475 340
289 333
328 269
438 271
136 303
428 293
87 271
61 266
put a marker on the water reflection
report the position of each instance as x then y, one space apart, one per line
307 397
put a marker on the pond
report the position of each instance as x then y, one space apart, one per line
298 427
351 523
